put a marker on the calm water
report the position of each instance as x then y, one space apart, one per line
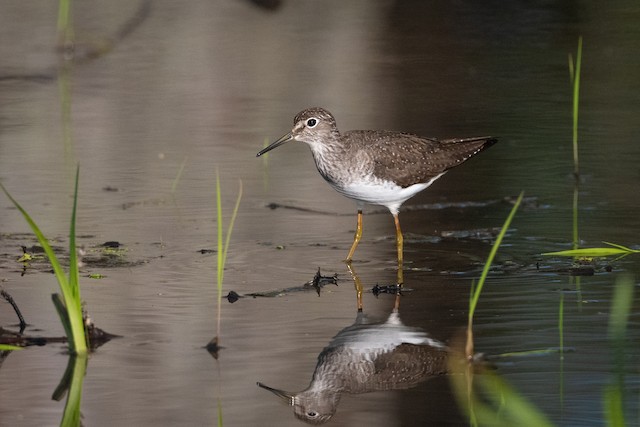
204 84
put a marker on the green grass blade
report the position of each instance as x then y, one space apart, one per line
65 29
220 236
469 348
576 235
575 77
8 347
624 248
492 254
591 252
74 275
223 242
232 221
220 257
614 412
72 297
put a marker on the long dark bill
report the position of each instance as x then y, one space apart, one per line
284 139
288 397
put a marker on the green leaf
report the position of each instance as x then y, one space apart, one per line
7 347
594 252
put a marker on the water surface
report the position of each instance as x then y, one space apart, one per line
205 84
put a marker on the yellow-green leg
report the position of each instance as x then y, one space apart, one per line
399 247
356 238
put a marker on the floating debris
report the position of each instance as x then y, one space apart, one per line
233 296
111 244
388 289
207 251
317 283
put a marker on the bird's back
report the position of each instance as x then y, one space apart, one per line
409 159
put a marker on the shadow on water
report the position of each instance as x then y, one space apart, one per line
364 357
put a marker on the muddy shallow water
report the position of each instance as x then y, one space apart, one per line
205 84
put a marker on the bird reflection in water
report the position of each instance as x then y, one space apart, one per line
366 357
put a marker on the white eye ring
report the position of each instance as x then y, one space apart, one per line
312 122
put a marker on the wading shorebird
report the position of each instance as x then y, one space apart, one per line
377 167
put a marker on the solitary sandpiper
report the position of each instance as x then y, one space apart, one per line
377 167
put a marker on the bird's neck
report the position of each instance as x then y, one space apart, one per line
328 154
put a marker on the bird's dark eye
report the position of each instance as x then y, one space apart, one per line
312 414
312 122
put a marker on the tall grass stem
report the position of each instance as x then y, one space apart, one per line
64 26
223 242
485 271
574 71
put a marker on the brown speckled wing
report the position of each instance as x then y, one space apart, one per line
408 159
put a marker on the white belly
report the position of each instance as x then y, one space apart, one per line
384 193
